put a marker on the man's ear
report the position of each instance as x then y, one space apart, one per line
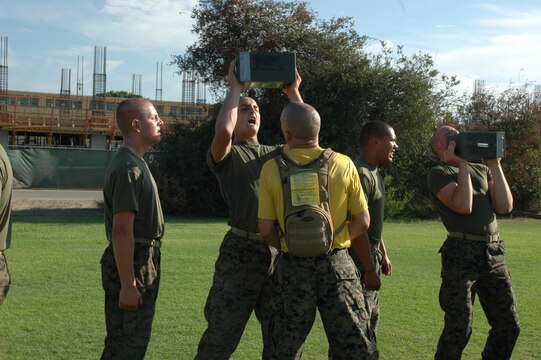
135 124
287 135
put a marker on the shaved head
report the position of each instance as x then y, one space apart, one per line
439 138
129 109
301 120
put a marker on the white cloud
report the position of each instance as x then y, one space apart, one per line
504 49
52 34
142 25
127 24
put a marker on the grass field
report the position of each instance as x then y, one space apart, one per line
55 306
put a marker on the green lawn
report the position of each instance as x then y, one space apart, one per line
55 306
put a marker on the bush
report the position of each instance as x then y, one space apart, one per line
395 202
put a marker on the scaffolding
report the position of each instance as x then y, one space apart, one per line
201 93
99 84
136 84
79 90
194 91
479 87
188 87
537 94
3 64
159 81
65 82
29 112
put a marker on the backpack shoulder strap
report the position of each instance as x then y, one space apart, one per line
327 156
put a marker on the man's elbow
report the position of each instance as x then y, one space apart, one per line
359 224
365 223
363 226
504 210
265 229
465 210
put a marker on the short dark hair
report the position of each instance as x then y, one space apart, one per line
372 129
130 109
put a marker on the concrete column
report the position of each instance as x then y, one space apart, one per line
4 139
98 142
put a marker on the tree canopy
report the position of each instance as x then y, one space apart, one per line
348 85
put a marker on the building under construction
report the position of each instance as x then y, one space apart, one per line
65 120
55 120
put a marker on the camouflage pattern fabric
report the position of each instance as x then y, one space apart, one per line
241 284
5 279
371 296
128 332
470 269
330 284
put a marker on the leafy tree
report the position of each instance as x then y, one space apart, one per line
341 80
185 183
411 95
225 27
517 113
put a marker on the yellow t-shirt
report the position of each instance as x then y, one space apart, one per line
345 192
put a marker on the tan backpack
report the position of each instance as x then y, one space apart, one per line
308 224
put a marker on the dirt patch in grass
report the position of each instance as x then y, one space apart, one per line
21 207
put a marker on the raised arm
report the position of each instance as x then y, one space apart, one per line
292 91
227 117
458 196
500 193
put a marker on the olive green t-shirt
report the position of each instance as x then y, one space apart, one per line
374 191
482 220
6 184
238 177
129 186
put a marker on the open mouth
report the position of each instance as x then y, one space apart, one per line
251 122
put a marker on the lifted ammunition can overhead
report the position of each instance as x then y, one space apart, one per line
266 69
479 144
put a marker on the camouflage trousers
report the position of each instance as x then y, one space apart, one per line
470 269
330 284
128 332
5 279
371 296
241 285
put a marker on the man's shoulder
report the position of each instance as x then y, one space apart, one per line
338 155
240 149
125 159
366 171
269 165
342 160
124 162
448 169
478 166
442 167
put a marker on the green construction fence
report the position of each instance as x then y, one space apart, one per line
59 168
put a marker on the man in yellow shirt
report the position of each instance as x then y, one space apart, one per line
328 282
6 190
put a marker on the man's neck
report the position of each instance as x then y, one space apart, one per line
137 150
309 145
245 138
368 158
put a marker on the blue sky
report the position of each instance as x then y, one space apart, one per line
498 41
